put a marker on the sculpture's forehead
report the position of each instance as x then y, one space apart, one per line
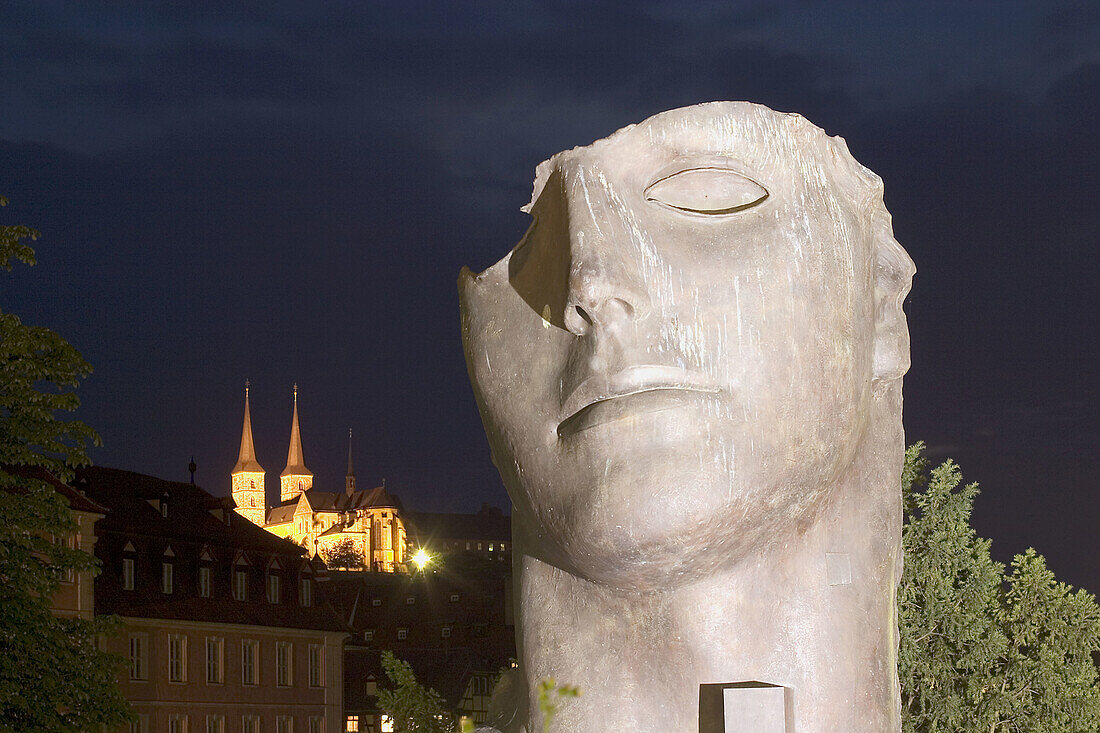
758 138
720 127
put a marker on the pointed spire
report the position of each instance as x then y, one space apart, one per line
246 461
295 461
349 479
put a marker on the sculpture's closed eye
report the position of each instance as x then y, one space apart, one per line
706 190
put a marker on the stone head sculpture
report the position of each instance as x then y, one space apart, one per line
689 373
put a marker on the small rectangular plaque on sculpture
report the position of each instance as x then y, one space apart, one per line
743 707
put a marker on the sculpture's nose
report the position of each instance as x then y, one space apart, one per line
606 280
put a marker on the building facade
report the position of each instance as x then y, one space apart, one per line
454 626
369 521
486 534
75 592
223 624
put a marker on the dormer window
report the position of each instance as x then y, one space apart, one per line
167 571
166 579
127 573
272 588
240 584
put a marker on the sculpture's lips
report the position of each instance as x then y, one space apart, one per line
606 397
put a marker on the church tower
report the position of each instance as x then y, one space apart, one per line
248 476
349 477
295 478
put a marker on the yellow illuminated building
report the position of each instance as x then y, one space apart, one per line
367 519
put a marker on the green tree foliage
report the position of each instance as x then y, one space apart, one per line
982 650
343 554
53 676
413 707
551 696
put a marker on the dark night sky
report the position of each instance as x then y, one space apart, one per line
286 191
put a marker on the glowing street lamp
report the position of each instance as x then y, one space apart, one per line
421 558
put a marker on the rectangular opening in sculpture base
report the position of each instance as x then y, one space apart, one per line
744 707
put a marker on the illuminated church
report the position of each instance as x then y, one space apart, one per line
318 520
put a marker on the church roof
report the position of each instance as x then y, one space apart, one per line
295 460
246 461
325 501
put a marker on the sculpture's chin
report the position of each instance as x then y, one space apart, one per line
656 545
678 511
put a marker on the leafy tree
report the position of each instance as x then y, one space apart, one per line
53 676
343 554
981 650
551 696
413 707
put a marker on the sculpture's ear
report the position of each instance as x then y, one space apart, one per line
894 272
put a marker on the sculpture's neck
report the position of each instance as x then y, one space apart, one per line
815 615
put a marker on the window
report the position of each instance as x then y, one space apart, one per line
272 588
141 725
316 666
250 724
351 725
386 724
316 724
177 658
445 632
490 547
368 635
250 662
307 592
139 656
284 724
127 573
166 577
240 584
410 600
283 664
376 602
204 582
215 648
402 633
454 598
215 724
177 724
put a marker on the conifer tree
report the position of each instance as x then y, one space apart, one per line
53 675
981 650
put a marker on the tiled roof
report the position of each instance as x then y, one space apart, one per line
489 524
199 530
326 501
78 501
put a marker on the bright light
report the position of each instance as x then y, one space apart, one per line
421 558
386 724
